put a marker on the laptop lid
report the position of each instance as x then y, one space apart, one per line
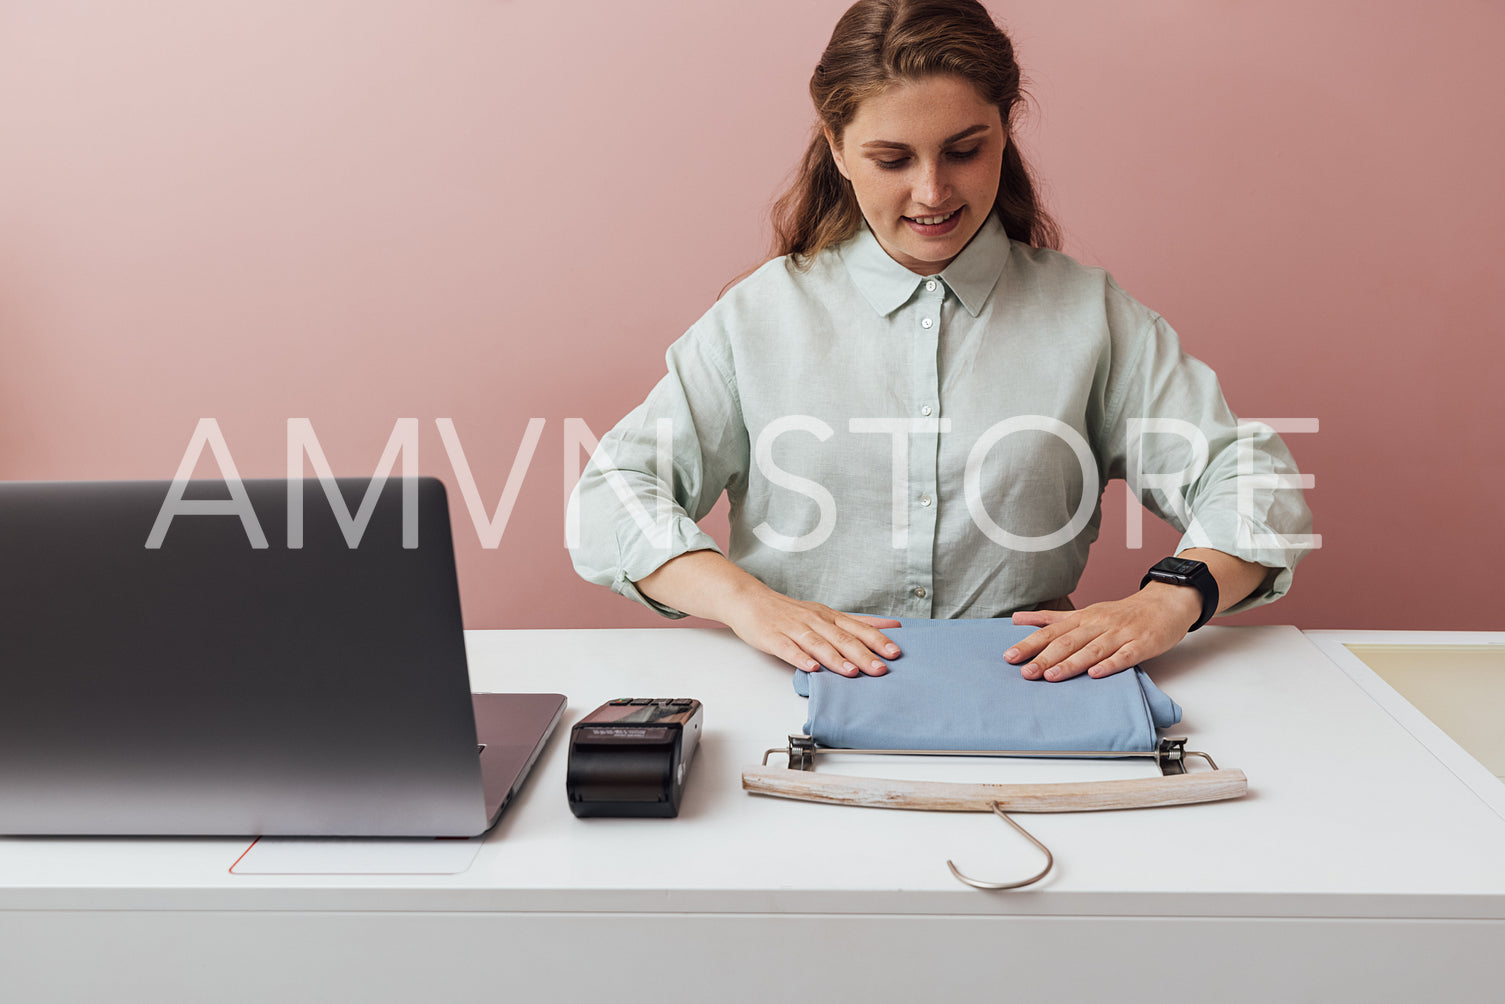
240 657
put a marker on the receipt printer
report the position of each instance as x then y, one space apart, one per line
630 756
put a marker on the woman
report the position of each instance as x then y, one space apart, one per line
915 404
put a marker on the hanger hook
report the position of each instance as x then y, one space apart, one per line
1050 860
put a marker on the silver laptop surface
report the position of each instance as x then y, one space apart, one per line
169 664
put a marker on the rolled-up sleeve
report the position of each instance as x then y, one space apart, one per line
660 470
1225 484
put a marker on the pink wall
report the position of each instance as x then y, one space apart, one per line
355 211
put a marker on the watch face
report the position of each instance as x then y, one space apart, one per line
1178 566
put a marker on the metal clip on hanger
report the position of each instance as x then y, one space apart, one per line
1174 787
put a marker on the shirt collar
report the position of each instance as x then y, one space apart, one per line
887 285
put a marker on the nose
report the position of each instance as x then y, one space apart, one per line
931 187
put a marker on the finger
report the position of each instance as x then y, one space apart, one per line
786 649
1031 645
1047 663
1129 654
1037 662
854 646
1040 618
839 651
866 630
1117 663
1099 651
878 622
823 652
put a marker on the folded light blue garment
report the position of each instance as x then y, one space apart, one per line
951 689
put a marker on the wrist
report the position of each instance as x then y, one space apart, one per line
734 591
1184 603
1190 577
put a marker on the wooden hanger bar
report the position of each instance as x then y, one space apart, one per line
946 796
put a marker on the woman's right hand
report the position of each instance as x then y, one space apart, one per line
811 635
804 634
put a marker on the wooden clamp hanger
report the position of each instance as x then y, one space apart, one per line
1174 787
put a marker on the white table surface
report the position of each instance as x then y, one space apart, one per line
1350 820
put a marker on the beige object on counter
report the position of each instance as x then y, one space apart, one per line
1460 688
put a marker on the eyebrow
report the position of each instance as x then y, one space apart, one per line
894 145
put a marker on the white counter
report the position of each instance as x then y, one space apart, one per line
1359 866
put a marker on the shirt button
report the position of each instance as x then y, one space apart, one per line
924 500
925 411
919 591
930 286
927 322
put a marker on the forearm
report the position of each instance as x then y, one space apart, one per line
702 583
1236 577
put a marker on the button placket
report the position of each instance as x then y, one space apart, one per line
923 523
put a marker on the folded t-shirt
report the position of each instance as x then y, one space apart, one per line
951 689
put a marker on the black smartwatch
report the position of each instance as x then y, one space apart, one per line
1186 572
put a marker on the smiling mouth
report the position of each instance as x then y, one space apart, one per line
931 221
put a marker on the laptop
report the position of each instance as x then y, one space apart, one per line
170 665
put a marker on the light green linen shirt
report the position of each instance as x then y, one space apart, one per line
929 447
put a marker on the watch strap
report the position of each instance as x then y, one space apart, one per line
1187 572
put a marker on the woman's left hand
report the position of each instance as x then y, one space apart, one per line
1105 638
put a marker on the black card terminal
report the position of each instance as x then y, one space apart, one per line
630 756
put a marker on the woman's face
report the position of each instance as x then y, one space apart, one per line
923 158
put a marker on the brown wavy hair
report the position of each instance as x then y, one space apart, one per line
876 44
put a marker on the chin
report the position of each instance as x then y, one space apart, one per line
936 253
